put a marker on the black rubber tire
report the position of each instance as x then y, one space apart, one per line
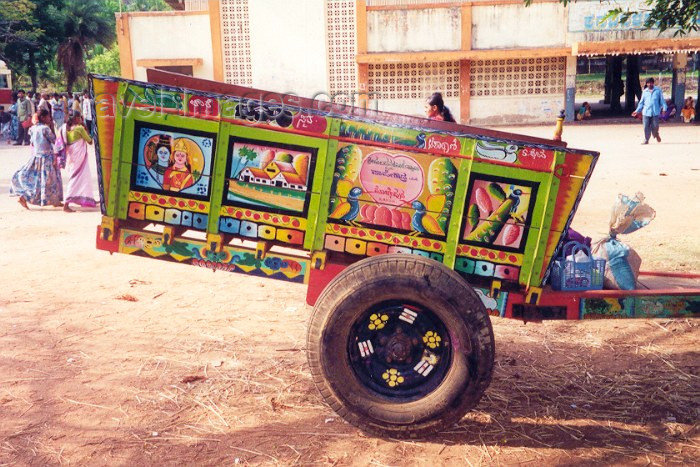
423 281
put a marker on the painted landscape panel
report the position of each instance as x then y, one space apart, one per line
267 176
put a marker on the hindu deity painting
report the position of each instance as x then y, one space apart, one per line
169 160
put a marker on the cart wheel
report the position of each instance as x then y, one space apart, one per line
400 345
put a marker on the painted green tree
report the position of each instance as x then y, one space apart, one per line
245 156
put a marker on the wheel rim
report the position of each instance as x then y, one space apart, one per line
399 350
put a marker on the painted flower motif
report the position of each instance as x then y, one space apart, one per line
393 377
377 322
206 143
432 339
145 132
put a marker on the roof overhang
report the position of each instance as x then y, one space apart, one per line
637 47
449 55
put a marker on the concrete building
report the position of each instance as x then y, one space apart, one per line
495 61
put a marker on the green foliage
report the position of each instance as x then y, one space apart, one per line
104 61
17 24
682 15
86 23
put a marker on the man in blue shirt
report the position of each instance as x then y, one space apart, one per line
651 104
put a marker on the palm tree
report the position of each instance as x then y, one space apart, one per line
86 23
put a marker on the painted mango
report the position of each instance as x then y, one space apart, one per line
442 176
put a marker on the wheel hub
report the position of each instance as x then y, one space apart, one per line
399 347
400 350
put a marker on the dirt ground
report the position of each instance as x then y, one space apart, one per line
117 360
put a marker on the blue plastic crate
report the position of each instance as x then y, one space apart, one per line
577 275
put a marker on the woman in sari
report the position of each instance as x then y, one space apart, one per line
39 181
14 123
79 190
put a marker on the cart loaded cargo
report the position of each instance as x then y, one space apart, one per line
408 232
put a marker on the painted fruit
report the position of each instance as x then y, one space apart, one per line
382 216
348 162
511 233
473 217
496 191
441 175
483 200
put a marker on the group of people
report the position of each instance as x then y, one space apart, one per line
16 121
59 135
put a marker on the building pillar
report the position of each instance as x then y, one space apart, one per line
216 42
465 66
464 91
570 92
680 60
124 40
633 89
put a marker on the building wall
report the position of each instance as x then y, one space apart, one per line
408 30
288 48
171 36
517 26
585 23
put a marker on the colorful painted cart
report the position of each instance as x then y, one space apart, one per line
408 232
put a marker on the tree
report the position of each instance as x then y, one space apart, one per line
29 32
85 23
663 14
104 61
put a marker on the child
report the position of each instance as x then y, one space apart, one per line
436 109
584 113
688 111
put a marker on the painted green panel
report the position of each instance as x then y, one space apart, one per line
219 177
459 206
116 152
325 196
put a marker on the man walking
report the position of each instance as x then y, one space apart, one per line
651 104
87 111
24 113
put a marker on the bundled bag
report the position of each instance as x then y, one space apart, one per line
623 263
59 147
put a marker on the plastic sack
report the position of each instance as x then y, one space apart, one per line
622 264
629 214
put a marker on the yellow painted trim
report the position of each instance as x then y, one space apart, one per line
216 40
448 55
153 62
126 62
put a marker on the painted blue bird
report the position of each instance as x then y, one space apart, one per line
422 223
515 196
349 209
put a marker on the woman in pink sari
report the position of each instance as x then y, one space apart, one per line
79 189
